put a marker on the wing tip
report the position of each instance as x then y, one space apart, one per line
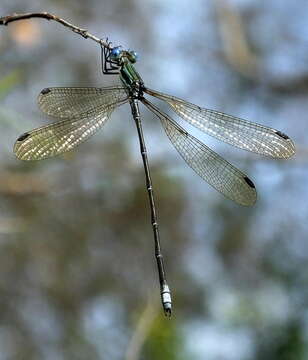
20 140
282 135
250 201
249 182
250 197
23 137
292 149
18 143
45 91
289 147
42 95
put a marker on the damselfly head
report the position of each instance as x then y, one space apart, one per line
118 55
115 53
132 56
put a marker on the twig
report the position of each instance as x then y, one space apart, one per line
5 20
141 331
236 48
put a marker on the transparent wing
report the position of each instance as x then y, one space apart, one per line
215 170
68 102
66 134
230 129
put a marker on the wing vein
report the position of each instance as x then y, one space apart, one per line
78 125
210 166
230 129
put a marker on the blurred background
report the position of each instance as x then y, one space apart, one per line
77 272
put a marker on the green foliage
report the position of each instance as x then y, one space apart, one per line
165 342
8 82
285 343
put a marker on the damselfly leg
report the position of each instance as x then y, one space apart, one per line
109 66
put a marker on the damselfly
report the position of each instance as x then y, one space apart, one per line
81 111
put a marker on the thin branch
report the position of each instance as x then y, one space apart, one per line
236 47
5 20
141 331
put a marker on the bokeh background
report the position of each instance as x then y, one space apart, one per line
77 273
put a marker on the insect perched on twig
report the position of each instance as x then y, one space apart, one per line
81 111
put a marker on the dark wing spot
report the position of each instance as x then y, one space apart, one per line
45 91
23 137
249 182
284 136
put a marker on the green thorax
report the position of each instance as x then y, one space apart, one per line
129 75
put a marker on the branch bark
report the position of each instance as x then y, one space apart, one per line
5 20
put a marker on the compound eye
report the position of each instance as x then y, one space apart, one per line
133 56
115 53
